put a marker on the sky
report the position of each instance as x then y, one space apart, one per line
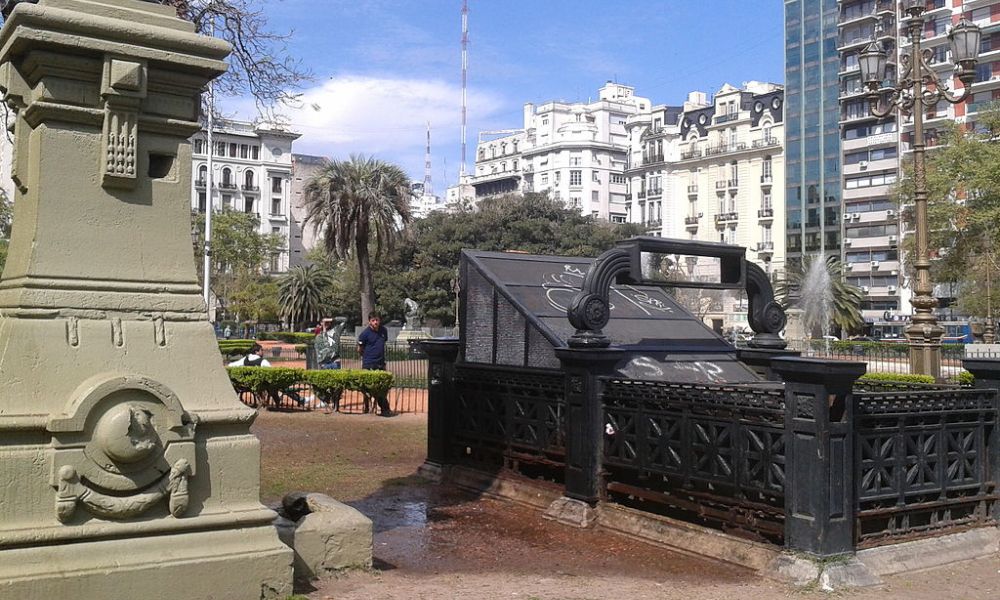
382 69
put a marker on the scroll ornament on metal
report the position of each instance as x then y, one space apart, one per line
766 316
590 310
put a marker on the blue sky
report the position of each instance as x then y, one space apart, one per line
383 68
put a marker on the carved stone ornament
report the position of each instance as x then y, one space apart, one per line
123 90
121 447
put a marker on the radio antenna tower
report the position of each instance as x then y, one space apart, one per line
428 188
465 77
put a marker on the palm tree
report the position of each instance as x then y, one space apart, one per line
300 295
820 290
359 204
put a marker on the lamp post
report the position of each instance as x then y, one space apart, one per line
918 88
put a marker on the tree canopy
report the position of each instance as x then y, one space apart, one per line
963 208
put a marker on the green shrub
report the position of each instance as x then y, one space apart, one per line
290 337
897 377
235 347
301 348
964 378
327 383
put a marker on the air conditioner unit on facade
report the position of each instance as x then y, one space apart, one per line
892 239
847 216
894 273
847 243
863 164
874 264
855 216
864 289
892 289
890 213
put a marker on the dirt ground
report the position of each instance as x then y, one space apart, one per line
433 542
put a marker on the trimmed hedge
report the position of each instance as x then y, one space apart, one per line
327 383
291 337
897 377
235 347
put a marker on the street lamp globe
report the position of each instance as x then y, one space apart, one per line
964 38
872 61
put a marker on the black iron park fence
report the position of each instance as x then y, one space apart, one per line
818 462
782 446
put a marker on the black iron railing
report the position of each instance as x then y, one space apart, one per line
511 419
715 454
923 462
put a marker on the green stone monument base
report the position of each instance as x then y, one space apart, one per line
206 565
127 466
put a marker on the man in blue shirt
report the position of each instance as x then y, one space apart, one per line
371 344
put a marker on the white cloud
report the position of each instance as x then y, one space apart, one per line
386 117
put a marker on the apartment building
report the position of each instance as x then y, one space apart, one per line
577 152
873 149
252 171
303 237
706 171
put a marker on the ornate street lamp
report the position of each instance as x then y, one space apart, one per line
917 89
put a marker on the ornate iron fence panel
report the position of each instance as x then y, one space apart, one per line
715 453
506 418
925 462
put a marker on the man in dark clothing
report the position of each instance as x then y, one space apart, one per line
371 344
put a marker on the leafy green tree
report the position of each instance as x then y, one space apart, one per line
429 256
844 299
239 251
963 208
302 292
255 299
359 205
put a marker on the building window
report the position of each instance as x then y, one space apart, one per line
482 154
201 202
575 177
248 181
595 196
276 185
503 165
255 152
275 206
574 201
575 160
199 146
227 202
767 168
557 177
227 177
233 150
248 205
220 148
203 175
515 164
595 176
244 151
544 179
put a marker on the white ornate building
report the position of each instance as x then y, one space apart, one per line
252 172
707 171
575 151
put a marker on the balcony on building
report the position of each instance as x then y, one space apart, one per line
726 117
765 248
766 142
692 220
691 154
729 217
765 213
693 190
228 185
720 186
881 8
628 196
251 189
733 183
654 192
200 182
654 224
652 159
766 180
641 194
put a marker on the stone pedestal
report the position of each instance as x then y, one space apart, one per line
127 469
